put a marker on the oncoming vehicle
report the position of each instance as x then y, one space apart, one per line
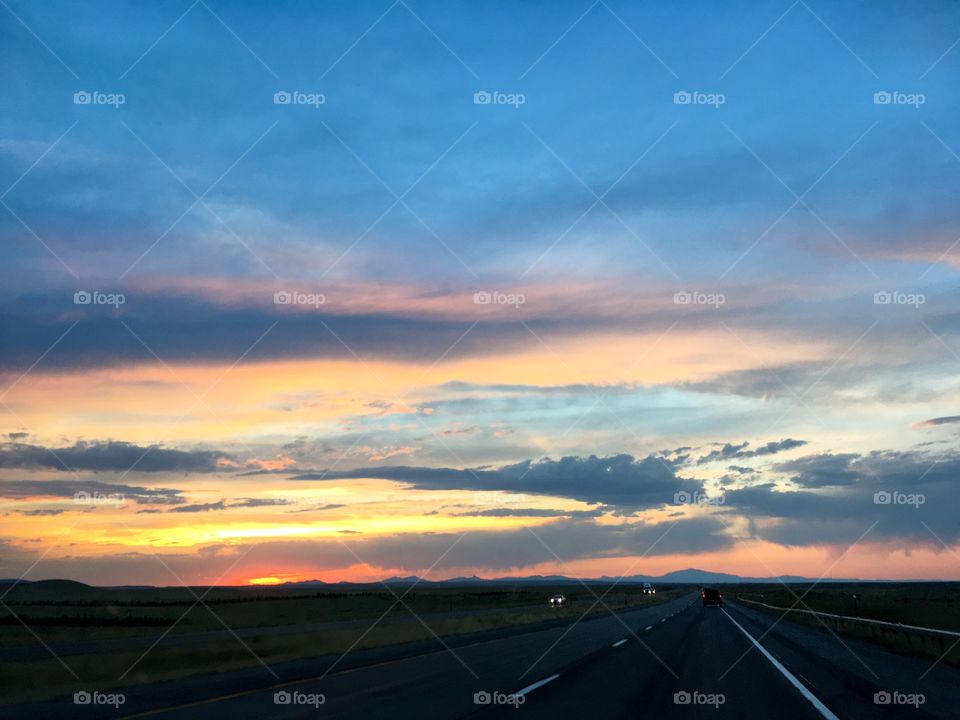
557 600
711 596
649 589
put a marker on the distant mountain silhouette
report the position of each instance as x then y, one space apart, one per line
690 576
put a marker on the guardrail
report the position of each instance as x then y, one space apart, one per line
941 640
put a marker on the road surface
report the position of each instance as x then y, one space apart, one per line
677 659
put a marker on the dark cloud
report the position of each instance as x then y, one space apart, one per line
826 470
615 480
202 507
319 508
68 489
226 505
181 327
531 512
258 502
108 456
839 500
740 451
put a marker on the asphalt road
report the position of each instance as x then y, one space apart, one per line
677 659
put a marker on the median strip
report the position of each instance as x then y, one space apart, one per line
814 700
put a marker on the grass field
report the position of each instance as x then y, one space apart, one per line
104 636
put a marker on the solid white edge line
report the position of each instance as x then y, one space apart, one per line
814 700
537 684
619 643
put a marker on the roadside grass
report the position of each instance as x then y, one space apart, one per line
930 605
294 626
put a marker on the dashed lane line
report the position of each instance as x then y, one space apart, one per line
537 684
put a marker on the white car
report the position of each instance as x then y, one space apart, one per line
557 601
649 589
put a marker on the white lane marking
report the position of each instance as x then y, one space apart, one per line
537 684
619 643
647 627
663 619
814 700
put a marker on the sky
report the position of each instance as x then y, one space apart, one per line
346 291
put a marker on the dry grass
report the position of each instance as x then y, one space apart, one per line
294 626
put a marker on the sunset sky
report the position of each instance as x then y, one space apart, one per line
478 288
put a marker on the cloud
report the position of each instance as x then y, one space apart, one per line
532 512
614 480
319 508
184 327
108 456
228 504
837 503
732 452
67 489
202 507
259 502
825 470
946 420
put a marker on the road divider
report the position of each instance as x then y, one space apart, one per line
929 640
864 621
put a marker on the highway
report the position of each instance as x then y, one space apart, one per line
676 659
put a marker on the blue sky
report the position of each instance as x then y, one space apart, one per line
597 99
